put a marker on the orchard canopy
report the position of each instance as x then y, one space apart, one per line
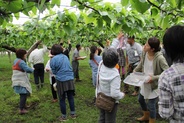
93 21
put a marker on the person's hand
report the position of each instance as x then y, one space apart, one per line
120 35
149 80
47 70
108 43
69 42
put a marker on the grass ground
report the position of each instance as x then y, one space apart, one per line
42 110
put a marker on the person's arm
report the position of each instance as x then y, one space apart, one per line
163 65
165 103
69 46
47 66
53 66
140 65
25 67
115 85
44 48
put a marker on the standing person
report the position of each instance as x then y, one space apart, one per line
75 62
120 49
51 78
171 82
109 82
20 81
67 50
153 64
62 70
133 56
94 62
36 58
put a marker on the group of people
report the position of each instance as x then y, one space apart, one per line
164 86
61 72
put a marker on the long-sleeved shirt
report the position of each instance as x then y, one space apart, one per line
61 68
109 82
171 93
37 55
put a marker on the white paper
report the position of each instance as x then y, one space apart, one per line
136 79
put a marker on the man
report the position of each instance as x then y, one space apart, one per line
133 55
75 62
36 58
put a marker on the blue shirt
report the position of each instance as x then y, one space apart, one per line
61 68
94 67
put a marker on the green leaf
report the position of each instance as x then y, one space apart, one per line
107 19
116 27
165 22
140 6
57 2
67 29
126 28
17 15
100 23
154 11
172 3
1 20
14 6
34 10
124 2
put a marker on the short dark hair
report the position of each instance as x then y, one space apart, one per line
110 57
173 42
154 44
132 37
78 45
56 49
20 53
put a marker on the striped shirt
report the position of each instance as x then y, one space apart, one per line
171 93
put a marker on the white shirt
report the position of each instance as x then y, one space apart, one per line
146 90
47 67
37 55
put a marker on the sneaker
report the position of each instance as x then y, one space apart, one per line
73 116
23 111
62 119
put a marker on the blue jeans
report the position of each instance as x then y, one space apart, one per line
70 100
150 105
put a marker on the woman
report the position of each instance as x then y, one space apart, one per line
20 81
51 78
171 82
61 68
109 82
94 62
153 64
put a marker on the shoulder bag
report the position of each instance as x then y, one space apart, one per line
103 101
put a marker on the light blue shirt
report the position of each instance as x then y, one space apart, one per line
94 67
61 68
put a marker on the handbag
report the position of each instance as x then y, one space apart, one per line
103 101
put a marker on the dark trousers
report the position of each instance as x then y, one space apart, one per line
131 67
23 98
108 117
70 101
39 73
75 66
54 93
